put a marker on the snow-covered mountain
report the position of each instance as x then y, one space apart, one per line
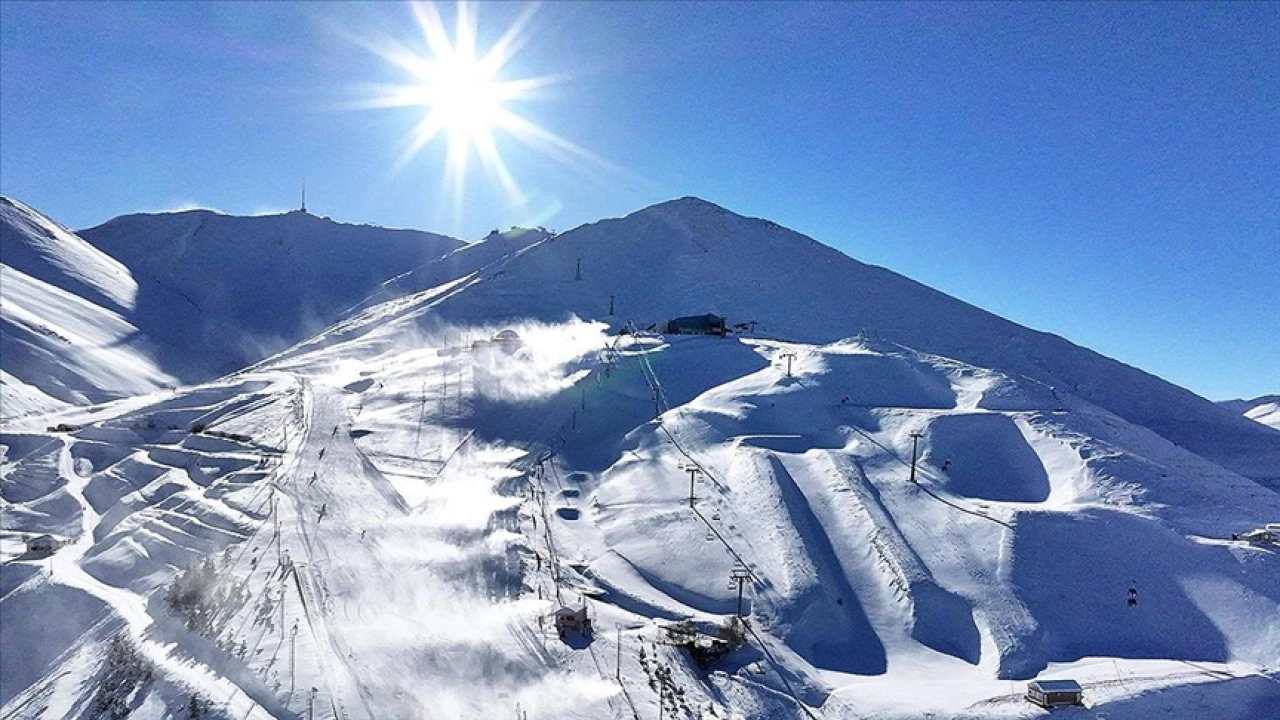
225 291
66 333
146 301
1264 409
382 520
690 256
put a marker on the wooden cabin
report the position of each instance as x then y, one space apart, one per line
1055 693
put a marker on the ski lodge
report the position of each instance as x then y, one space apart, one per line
1055 693
708 324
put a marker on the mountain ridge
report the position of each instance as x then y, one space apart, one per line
689 256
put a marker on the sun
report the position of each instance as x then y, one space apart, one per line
461 92
466 97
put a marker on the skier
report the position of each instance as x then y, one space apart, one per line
946 465
1133 595
322 511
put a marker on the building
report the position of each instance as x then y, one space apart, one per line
696 325
1261 536
1055 693
568 618
43 544
508 340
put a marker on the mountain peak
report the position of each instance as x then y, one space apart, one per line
684 206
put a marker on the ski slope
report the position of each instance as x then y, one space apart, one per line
392 509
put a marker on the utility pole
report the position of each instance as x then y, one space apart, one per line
304 194
915 438
275 512
693 471
619 661
740 575
610 304
578 274
789 356
293 656
311 703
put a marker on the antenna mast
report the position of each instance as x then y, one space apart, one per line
304 194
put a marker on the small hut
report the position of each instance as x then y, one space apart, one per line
43 544
1055 693
568 618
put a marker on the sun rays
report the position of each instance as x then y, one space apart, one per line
468 100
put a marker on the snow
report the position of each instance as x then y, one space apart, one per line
64 331
393 507
39 247
222 292
1264 409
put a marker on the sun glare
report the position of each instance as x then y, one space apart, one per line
465 98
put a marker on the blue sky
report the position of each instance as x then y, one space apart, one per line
1106 172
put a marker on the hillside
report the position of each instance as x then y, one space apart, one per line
225 291
689 256
382 520
1264 409
148 301
65 330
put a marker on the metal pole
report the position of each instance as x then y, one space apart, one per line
275 510
740 574
915 437
293 656
693 471
619 663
